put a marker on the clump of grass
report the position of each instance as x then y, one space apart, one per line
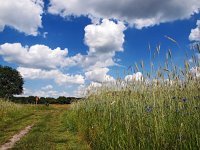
162 111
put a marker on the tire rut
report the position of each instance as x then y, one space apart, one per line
16 138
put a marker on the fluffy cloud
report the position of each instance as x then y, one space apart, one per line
84 90
194 59
195 33
140 13
90 62
100 79
104 40
22 15
36 56
135 77
48 87
44 93
59 77
99 75
42 62
195 71
93 87
106 37
80 91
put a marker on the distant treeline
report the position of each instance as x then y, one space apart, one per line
44 100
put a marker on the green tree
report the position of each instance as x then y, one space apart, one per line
11 82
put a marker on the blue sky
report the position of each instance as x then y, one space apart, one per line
61 47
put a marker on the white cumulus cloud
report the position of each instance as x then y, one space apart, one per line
195 71
22 15
56 75
36 56
44 93
104 40
135 77
47 87
195 33
106 37
99 75
84 90
139 13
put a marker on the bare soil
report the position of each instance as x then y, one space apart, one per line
16 138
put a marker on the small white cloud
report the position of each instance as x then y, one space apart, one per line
59 77
48 87
195 33
22 15
142 23
90 62
135 77
44 93
84 90
99 75
80 91
93 87
195 71
45 34
196 58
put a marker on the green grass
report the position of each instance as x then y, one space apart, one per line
157 114
153 120
13 117
49 132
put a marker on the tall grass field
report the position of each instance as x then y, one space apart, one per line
159 111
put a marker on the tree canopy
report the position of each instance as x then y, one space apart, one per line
11 82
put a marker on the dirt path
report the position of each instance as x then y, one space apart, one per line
50 132
16 138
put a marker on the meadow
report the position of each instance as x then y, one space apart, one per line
159 111
49 131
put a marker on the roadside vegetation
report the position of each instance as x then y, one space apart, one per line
159 111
